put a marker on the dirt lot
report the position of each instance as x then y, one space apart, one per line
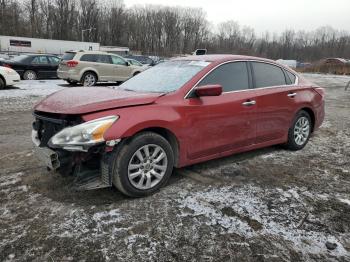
266 205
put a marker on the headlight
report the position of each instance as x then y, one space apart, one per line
81 137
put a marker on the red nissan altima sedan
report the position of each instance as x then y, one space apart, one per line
178 113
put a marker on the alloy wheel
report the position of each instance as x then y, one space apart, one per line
89 80
147 166
301 130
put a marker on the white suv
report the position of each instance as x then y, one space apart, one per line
90 67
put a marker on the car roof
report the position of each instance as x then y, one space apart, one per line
222 58
90 52
39 54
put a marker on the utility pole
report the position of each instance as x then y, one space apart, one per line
82 32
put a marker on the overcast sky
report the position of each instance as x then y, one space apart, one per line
271 15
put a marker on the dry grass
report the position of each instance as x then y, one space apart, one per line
327 69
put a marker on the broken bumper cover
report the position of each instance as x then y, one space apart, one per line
45 154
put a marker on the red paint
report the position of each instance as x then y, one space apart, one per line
209 90
206 127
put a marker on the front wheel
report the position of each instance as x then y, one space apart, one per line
143 165
2 84
299 133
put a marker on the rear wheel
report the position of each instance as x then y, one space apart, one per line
2 84
299 133
89 79
143 165
30 75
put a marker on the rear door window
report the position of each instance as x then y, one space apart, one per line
106 59
268 75
89 58
54 60
40 60
231 76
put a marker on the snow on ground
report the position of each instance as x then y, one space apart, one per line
33 88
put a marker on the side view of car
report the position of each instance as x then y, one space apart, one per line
145 60
90 67
178 113
8 77
33 66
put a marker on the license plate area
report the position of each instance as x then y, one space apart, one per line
48 157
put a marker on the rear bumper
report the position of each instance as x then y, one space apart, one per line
68 75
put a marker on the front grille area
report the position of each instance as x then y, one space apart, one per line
48 125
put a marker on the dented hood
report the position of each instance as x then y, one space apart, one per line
82 100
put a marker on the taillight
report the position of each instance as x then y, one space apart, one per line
7 65
72 63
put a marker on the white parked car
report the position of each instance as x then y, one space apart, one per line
8 77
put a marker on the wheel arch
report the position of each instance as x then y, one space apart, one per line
312 115
89 70
169 136
3 79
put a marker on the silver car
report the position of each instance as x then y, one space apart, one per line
90 67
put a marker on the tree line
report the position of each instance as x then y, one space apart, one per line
161 30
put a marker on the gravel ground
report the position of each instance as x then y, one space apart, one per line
265 205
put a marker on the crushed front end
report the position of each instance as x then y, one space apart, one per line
70 146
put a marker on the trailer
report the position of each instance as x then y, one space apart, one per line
15 44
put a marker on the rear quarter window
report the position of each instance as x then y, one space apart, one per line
268 75
68 56
291 77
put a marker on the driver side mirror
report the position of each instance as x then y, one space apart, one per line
127 63
208 90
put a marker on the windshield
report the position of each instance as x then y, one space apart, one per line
165 77
20 58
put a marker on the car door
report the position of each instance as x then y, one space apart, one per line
105 67
54 62
122 69
226 122
40 64
276 101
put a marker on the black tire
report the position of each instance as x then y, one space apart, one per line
29 75
122 155
136 73
293 143
2 84
92 79
71 82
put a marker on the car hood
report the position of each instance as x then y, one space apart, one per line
82 100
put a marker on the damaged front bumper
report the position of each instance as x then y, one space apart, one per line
87 176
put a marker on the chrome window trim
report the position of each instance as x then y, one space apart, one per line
249 89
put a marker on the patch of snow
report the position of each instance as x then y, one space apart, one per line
248 203
33 88
345 201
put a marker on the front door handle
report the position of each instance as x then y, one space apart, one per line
249 103
292 95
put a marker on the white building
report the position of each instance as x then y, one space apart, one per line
37 45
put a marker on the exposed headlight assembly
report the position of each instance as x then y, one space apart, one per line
82 137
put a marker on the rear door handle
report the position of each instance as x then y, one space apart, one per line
292 95
249 103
